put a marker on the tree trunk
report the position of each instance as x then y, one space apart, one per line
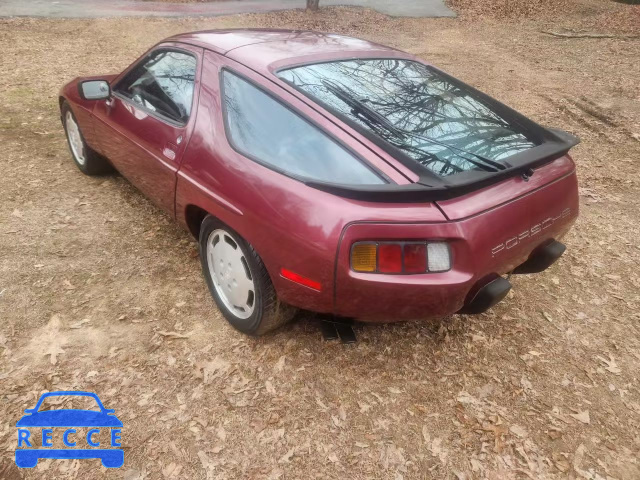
313 5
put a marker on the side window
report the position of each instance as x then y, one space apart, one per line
163 83
268 132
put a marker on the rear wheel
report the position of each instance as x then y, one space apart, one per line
239 281
88 161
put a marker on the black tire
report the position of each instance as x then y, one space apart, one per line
94 163
269 312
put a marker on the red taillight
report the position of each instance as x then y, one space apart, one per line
404 257
415 258
389 258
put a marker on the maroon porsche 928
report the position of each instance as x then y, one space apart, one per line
329 173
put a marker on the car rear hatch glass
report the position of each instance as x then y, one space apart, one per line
451 135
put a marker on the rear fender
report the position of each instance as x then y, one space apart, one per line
489 243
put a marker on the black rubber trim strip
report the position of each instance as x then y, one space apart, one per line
418 192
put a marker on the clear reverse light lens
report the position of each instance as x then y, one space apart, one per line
438 257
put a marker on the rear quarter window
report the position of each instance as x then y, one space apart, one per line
264 130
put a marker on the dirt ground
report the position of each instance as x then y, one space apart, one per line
100 291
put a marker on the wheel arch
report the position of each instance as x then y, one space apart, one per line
61 101
193 217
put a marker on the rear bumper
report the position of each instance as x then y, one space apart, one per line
483 246
486 294
380 298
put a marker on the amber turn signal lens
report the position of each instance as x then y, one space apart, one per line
363 257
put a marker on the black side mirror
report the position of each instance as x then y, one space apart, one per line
94 90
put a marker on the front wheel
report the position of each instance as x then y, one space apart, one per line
88 161
239 281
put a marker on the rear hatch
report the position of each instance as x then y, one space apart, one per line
490 231
454 138
502 224
513 189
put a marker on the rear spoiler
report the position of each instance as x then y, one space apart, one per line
557 143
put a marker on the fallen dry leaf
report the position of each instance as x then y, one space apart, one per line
172 470
212 369
286 458
279 366
582 417
80 323
269 387
172 335
611 365
54 350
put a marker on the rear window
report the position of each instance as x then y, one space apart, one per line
263 129
413 108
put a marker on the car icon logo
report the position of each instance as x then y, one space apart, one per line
32 447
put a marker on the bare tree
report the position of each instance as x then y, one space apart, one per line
313 5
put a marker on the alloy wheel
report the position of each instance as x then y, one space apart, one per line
75 139
230 273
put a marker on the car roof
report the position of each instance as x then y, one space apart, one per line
266 50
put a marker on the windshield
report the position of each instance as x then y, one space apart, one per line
416 110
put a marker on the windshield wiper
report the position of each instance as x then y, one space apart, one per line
359 107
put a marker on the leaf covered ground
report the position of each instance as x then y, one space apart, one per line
100 291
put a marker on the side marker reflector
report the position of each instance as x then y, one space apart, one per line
294 277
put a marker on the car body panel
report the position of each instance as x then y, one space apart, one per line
212 172
506 191
144 148
303 229
82 108
303 47
493 242
282 43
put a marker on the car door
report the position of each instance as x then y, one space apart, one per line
145 126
